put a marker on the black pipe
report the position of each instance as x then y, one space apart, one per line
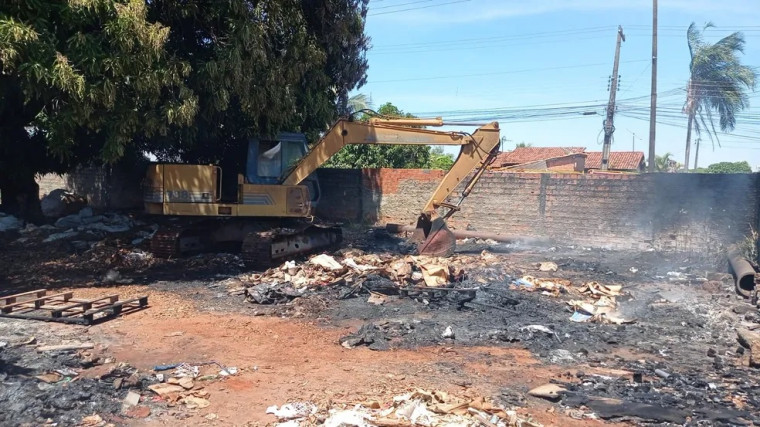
743 272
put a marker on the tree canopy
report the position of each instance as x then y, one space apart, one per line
727 167
358 156
91 80
718 83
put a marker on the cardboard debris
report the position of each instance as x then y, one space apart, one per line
420 407
435 275
193 402
91 421
51 377
548 266
289 281
597 289
377 299
327 262
163 389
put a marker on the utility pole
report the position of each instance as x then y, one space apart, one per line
609 127
696 156
653 96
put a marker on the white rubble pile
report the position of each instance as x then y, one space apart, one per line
86 220
420 408
61 202
9 222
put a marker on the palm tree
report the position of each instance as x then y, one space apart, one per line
663 163
717 83
359 102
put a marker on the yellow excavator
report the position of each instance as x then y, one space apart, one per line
268 214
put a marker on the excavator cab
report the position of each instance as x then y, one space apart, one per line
269 159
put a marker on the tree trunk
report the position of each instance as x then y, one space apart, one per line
688 141
21 197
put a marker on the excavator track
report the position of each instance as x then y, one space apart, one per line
165 243
261 243
257 249
264 249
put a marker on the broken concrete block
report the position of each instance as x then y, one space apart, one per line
132 399
548 391
750 340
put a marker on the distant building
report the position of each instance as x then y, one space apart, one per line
558 159
620 161
566 159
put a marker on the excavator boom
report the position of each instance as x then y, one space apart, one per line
477 151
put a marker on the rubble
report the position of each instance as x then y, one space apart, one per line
9 222
60 202
419 407
750 340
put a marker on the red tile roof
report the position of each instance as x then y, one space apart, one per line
619 160
522 155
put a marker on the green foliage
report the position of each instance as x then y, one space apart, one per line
665 163
91 80
726 167
523 145
359 156
261 67
89 68
718 83
440 160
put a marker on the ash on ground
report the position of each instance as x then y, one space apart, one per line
667 322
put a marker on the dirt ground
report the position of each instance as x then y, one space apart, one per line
681 343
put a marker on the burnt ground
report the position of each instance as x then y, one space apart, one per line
678 363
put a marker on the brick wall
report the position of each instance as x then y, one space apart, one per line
49 182
375 195
674 212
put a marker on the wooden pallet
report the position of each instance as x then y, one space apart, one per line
63 307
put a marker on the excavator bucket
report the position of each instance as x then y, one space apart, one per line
433 237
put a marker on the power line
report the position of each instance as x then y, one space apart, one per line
401 4
417 8
499 72
516 36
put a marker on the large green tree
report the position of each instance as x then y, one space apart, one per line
390 156
78 81
718 83
259 67
727 167
191 80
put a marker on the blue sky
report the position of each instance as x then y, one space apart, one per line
487 59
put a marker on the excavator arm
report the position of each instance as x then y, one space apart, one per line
477 151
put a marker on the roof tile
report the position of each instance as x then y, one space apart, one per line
531 154
620 160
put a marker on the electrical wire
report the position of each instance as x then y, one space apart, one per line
529 70
417 8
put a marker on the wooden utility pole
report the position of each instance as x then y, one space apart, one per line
609 127
653 96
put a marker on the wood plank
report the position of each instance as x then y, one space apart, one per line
116 308
46 318
84 305
38 302
10 299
